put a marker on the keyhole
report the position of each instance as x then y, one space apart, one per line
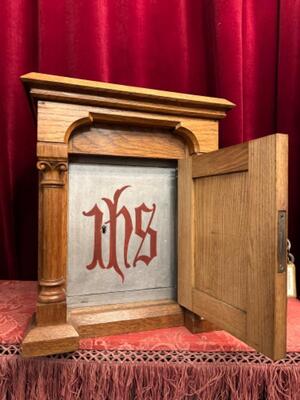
104 228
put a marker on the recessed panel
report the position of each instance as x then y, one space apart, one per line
221 252
121 232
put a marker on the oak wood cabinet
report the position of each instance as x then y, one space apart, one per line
204 247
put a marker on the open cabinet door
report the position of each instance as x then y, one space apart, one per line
238 241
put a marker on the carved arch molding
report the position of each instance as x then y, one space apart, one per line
173 126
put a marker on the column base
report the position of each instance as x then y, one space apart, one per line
52 339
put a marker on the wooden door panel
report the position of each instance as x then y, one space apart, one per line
232 319
224 161
238 195
221 233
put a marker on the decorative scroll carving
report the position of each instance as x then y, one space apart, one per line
52 172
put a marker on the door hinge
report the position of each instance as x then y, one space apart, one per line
282 241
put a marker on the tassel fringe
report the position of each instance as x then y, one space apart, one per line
46 379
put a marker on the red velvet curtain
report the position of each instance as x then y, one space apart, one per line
246 51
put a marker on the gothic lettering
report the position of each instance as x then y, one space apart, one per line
115 213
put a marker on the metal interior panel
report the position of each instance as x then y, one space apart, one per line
121 231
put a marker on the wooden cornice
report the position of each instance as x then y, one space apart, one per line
70 90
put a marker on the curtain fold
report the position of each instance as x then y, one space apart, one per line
245 51
18 184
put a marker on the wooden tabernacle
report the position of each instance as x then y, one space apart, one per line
231 213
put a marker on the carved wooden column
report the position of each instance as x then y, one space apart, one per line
51 333
52 237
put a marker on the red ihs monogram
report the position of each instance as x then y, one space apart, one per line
114 214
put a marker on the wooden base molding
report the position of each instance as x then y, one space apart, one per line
109 320
45 340
125 318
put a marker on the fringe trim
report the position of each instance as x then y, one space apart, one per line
48 379
60 379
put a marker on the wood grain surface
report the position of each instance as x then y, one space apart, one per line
88 87
116 319
126 142
51 339
57 121
185 232
196 324
72 118
222 220
267 296
237 283
223 161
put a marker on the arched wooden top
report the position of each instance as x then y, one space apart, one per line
162 133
